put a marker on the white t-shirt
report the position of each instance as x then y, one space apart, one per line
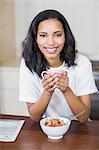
81 81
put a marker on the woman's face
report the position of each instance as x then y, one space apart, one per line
51 39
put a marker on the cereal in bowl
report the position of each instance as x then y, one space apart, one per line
54 122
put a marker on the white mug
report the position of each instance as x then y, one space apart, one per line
52 71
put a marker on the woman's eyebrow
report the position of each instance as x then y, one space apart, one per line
42 32
58 32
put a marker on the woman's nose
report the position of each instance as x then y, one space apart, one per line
50 40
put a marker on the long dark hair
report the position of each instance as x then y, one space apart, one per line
34 59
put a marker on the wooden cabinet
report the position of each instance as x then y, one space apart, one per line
9 103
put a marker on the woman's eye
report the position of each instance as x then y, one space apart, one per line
58 35
42 35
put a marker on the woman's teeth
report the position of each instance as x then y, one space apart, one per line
50 50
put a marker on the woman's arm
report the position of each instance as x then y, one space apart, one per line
77 104
37 109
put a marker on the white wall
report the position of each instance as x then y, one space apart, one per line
82 15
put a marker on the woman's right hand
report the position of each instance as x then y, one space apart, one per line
49 82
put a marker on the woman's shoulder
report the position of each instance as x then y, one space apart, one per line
82 59
24 69
23 66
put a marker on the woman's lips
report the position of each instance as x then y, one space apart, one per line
51 50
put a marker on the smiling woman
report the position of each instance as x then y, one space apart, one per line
64 92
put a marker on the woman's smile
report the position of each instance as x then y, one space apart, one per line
51 50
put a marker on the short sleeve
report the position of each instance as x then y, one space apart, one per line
28 88
85 80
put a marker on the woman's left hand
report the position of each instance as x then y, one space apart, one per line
63 81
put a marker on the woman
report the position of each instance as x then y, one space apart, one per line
65 90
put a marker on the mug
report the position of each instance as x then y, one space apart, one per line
52 71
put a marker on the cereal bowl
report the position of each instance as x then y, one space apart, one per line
55 131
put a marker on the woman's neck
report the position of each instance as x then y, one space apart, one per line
55 63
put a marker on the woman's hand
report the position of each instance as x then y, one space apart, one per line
63 81
52 81
49 82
